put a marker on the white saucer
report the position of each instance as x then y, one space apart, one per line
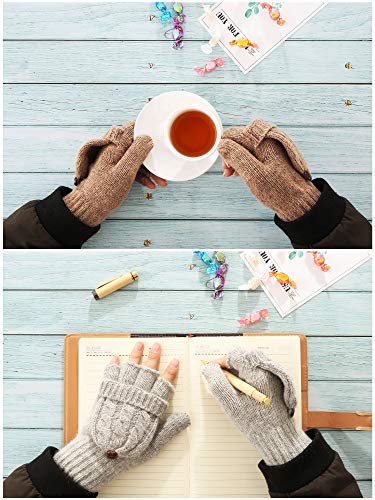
161 161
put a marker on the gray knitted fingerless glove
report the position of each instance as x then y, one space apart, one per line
124 428
270 429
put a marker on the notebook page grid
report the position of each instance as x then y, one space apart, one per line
167 474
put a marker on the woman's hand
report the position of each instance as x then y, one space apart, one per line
271 166
106 169
271 428
125 427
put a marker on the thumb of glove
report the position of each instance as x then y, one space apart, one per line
167 430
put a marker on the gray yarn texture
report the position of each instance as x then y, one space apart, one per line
271 429
126 418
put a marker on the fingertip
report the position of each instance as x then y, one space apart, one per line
153 359
139 346
171 371
115 360
222 361
159 181
137 353
175 363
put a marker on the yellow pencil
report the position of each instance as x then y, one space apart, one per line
244 387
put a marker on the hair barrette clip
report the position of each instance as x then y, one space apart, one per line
320 260
253 317
210 66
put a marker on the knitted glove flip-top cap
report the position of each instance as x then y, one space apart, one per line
125 427
271 166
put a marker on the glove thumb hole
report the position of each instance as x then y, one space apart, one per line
86 155
134 156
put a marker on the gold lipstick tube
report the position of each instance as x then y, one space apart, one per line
111 286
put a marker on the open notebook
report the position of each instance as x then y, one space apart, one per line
211 458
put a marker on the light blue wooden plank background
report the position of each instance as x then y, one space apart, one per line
72 70
48 295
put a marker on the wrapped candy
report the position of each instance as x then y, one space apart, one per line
253 317
216 265
283 278
244 43
274 12
319 260
206 48
166 14
214 27
177 32
255 281
217 283
211 266
210 66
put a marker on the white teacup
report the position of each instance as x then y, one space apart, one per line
180 111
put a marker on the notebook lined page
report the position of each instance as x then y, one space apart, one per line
223 462
166 475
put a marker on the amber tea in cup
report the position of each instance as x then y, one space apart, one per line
193 133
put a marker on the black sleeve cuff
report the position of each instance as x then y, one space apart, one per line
51 481
303 469
319 222
59 221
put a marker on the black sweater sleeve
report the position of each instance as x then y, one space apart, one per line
317 472
46 223
43 478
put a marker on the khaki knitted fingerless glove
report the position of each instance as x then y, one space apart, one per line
105 171
125 427
272 167
270 429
